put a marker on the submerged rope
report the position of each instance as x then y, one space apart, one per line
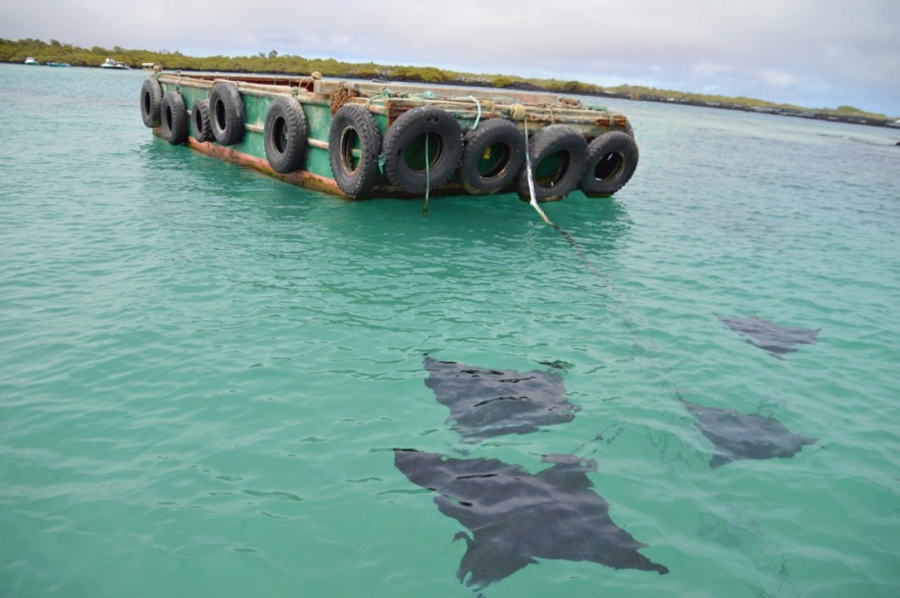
535 205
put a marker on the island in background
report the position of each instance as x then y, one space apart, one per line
272 62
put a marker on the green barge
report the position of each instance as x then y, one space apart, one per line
361 139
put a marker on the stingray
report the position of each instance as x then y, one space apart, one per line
738 435
516 517
775 339
485 402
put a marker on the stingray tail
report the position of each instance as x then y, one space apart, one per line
462 536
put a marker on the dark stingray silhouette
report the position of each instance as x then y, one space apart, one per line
775 339
486 403
516 517
738 435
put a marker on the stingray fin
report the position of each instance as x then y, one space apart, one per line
718 460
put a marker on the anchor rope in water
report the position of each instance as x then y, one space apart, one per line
535 205
620 428
533 202
611 289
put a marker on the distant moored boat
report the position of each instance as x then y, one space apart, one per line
109 63
30 61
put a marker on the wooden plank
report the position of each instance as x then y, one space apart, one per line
368 88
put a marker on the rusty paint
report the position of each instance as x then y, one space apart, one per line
368 88
307 83
341 96
300 178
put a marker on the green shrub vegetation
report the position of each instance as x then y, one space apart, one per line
273 62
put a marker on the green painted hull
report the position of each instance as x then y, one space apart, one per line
318 100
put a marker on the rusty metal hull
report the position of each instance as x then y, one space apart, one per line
386 102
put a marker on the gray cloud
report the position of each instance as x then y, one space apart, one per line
811 52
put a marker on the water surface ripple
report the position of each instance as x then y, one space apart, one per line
203 371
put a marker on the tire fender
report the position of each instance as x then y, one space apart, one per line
404 149
226 113
354 128
492 156
200 121
285 135
151 99
173 118
558 155
611 160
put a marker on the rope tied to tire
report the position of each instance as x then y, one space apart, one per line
477 106
384 93
422 149
535 205
533 202
387 94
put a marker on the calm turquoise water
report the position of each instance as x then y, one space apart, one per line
203 371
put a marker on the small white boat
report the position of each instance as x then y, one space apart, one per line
109 63
30 61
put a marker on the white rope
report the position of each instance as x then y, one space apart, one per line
533 201
535 205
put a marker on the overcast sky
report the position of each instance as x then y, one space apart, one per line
815 53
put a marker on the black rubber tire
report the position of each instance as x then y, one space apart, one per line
353 127
200 121
226 113
492 156
404 142
285 135
173 118
611 160
151 100
566 149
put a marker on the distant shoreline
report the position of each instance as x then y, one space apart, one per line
807 113
15 52
803 113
